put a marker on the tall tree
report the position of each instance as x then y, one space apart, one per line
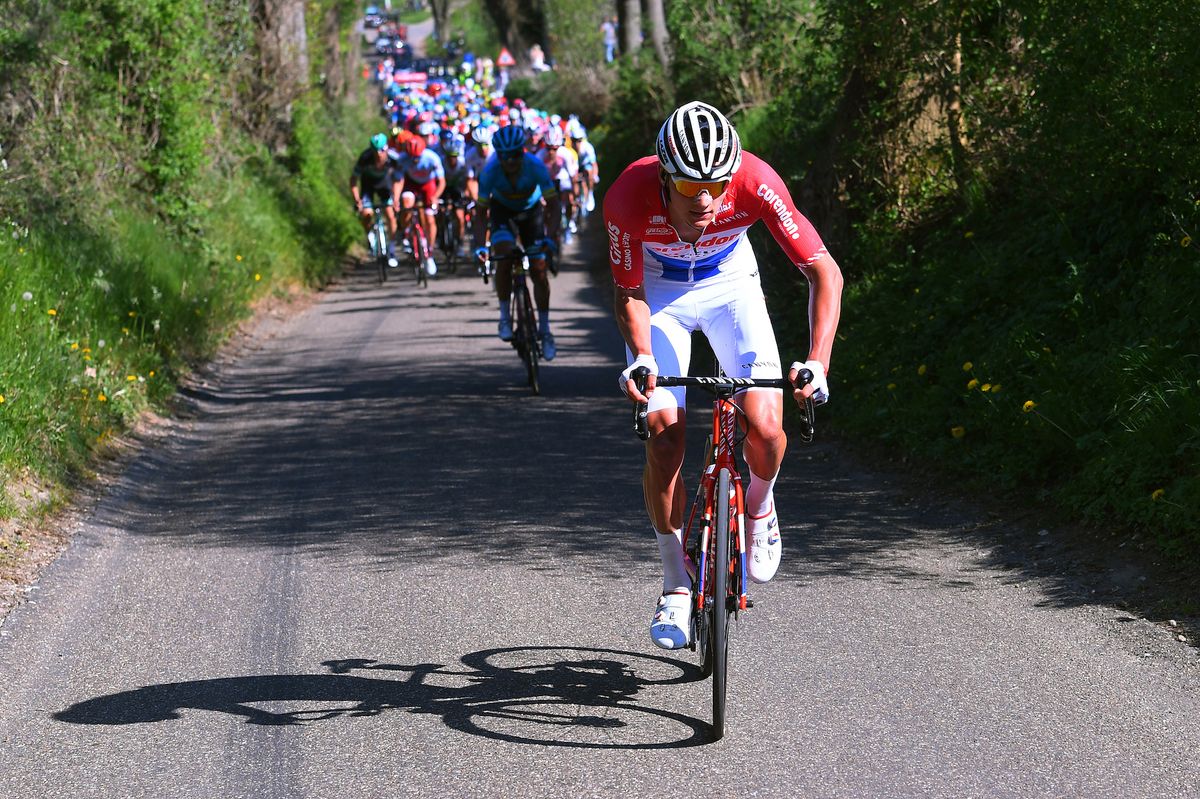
658 32
520 24
441 19
631 26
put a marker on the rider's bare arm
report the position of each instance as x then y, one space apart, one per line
632 314
824 306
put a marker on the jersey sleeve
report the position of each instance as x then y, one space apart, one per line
624 250
436 170
487 184
542 178
791 229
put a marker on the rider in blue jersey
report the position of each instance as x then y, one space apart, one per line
512 187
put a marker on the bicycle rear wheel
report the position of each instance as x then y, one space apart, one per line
722 609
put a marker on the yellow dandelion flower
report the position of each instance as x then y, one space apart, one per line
921 370
1185 241
968 366
972 385
1 399
52 312
238 257
257 276
132 314
131 378
958 431
1028 406
986 387
74 346
152 373
1158 494
101 398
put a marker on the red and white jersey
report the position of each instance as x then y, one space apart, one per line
642 244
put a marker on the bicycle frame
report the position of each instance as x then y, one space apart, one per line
377 238
414 233
721 455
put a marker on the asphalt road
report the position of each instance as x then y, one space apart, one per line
365 562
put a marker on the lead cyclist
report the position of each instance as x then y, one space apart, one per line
681 262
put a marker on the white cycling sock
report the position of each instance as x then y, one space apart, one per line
670 549
760 495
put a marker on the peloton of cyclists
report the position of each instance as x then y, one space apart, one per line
372 182
421 174
511 187
457 175
681 262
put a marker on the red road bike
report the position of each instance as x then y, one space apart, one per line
718 550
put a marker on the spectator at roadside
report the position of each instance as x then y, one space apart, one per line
537 58
608 29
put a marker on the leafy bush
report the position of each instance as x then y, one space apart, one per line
139 226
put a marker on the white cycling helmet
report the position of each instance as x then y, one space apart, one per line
482 135
554 136
699 143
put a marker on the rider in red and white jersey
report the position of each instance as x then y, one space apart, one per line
681 262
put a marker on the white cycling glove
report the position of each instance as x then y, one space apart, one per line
820 385
641 360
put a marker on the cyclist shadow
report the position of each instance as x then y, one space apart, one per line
550 696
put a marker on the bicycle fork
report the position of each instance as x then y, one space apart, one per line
724 427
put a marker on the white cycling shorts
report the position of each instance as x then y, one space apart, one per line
732 314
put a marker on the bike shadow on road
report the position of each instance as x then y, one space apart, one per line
574 697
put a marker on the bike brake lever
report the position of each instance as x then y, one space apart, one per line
641 426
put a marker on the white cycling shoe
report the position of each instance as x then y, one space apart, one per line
765 549
672 620
430 267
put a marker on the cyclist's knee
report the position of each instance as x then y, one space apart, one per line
765 429
665 448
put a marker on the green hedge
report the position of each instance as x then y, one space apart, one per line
141 226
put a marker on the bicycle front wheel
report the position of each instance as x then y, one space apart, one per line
527 335
416 241
722 608
381 256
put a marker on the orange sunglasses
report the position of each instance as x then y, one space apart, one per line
690 188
